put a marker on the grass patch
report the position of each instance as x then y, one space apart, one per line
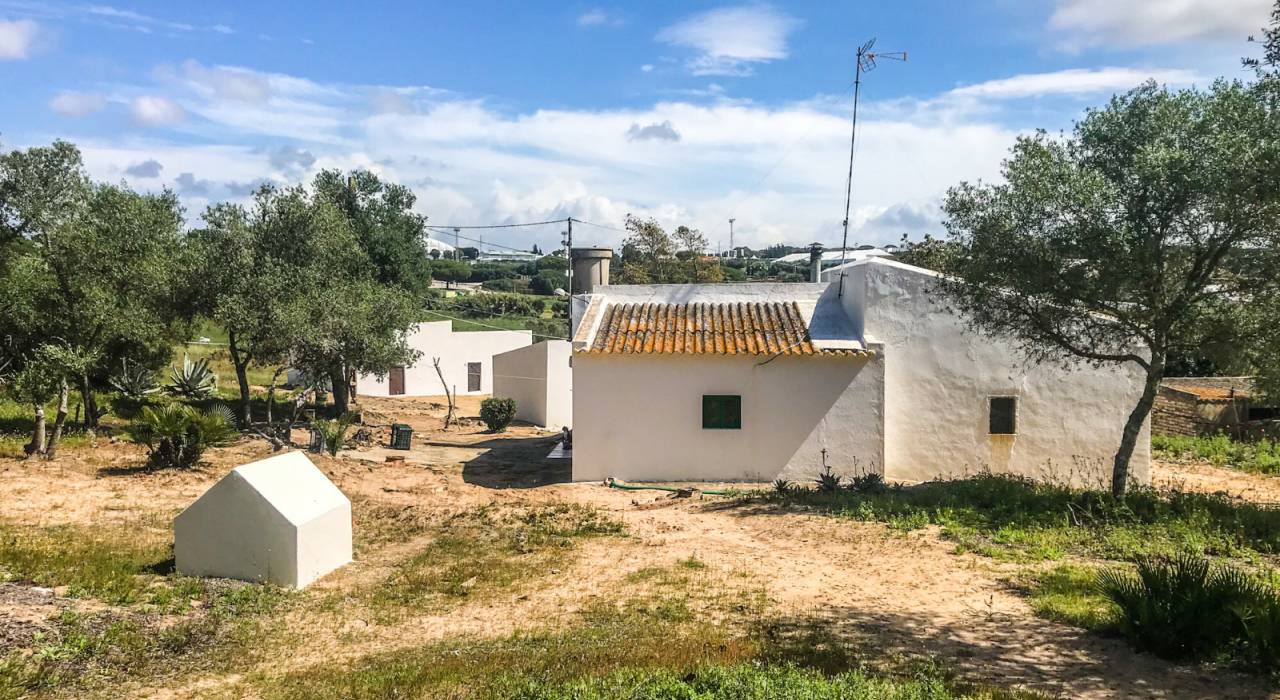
490 549
115 566
1069 593
1018 519
1262 456
84 651
623 650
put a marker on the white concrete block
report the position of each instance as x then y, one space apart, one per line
277 520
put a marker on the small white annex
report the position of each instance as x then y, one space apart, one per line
277 520
466 359
756 381
538 378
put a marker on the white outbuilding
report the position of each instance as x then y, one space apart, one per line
538 378
754 381
277 520
466 360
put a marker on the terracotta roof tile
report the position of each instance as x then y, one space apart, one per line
748 328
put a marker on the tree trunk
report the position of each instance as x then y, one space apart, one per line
241 362
36 447
338 377
90 403
1133 426
271 393
51 447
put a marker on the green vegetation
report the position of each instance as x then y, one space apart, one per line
1187 607
488 549
334 432
1069 593
177 436
1022 520
1262 456
135 633
497 413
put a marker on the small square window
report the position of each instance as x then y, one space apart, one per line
721 412
1003 418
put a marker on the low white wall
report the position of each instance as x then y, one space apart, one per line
455 350
539 378
639 418
939 377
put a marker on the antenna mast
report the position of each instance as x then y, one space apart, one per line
866 63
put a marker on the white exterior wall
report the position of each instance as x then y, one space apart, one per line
939 377
639 417
539 378
455 350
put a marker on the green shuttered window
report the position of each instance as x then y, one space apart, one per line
721 412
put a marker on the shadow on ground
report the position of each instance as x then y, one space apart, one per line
516 463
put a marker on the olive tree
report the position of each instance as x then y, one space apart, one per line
1111 244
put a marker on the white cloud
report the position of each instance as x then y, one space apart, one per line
153 110
136 21
647 68
597 17
17 38
77 104
1074 81
1085 23
778 169
220 81
731 40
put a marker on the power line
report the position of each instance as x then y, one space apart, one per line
477 240
609 228
530 223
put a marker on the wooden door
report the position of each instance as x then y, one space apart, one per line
396 382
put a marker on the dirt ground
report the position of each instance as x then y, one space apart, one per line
901 593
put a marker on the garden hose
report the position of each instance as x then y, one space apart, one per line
619 484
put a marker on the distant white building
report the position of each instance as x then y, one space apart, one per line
538 378
277 520
466 359
754 381
507 255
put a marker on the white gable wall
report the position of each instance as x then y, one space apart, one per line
939 377
538 378
455 350
639 417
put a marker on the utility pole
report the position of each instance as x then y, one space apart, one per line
568 254
731 248
456 251
866 61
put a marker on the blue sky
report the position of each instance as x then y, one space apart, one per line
501 112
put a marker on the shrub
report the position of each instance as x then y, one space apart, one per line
781 485
499 285
1184 606
177 436
871 482
194 381
333 433
135 383
497 413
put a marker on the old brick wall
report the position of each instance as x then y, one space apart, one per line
1175 413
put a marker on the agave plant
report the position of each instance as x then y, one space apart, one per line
194 381
135 383
781 485
177 436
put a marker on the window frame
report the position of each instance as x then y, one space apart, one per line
1013 413
725 400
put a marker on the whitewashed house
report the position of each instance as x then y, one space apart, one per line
755 381
538 378
466 359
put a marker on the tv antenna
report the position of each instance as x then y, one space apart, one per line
866 62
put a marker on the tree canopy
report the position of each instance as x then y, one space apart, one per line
1120 242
